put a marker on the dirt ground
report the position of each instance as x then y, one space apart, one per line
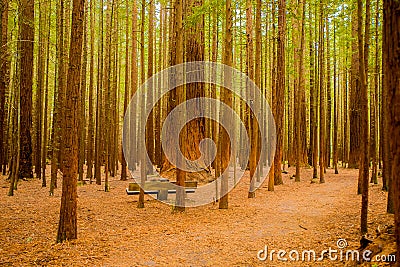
113 232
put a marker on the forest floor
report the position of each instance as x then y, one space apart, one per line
113 232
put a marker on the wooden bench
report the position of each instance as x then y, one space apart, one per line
160 188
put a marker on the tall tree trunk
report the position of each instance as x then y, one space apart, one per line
364 148
391 63
99 101
280 91
90 142
252 127
374 103
82 99
134 80
322 104
39 90
355 130
143 167
67 227
195 47
150 69
46 99
271 178
3 76
227 99
389 89
177 57
336 99
299 91
328 98
126 92
27 33
313 110
58 99
16 127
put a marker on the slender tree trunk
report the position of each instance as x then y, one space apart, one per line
390 39
180 98
364 148
46 101
227 99
150 69
39 90
3 77
82 99
322 104
27 33
280 91
143 161
134 80
391 63
67 227
90 142
374 104
355 97
99 102
328 98
336 99
127 89
313 110
299 91
16 127
252 127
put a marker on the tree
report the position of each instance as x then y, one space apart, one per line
90 147
322 104
194 51
58 99
3 75
280 91
46 101
67 227
176 59
313 111
27 33
143 161
252 123
391 63
374 104
299 91
336 99
126 93
355 97
150 69
364 148
227 99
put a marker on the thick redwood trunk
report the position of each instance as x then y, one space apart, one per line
67 227
27 33
391 63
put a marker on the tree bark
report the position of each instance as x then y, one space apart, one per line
227 99
355 121
391 63
322 104
67 227
27 34
280 91
364 148
4 69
